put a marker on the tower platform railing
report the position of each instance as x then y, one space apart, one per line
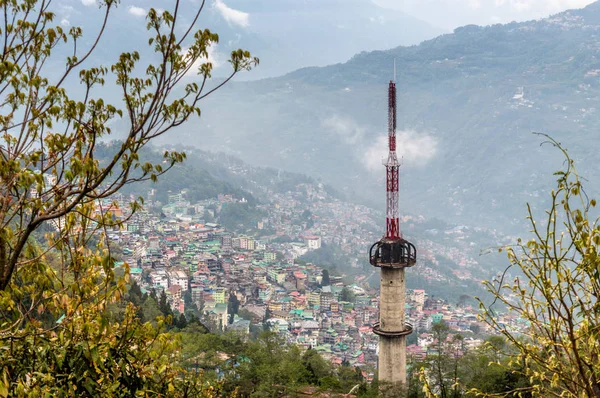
408 329
397 253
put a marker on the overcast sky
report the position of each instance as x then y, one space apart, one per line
449 14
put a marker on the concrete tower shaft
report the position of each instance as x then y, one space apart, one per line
392 300
392 328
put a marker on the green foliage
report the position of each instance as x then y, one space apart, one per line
61 336
325 281
480 372
150 310
65 330
240 216
199 183
317 368
329 257
349 377
347 295
233 306
164 306
555 293
266 366
111 359
48 165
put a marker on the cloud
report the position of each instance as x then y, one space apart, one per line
380 19
521 5
65 12
238 37
137 11
475 4
416 149
346 128
213 57
413 148
88 3
537 8
232 16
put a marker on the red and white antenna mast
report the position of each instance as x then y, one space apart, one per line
392 250
392 254
392 223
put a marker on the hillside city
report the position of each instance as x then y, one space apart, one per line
317 198
204 269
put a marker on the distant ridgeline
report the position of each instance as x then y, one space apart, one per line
199 183
220 173
467 101
205 175
260 180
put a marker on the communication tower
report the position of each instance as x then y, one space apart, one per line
393 255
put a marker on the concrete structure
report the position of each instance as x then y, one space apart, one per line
219 295
312 242
392 254
178 278
392 328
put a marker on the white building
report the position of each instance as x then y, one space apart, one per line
312 242
418 296
179 278
298 249
160 278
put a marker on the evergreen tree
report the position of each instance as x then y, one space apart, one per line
181 322
163 305
325 281
135 294
347 295
233 306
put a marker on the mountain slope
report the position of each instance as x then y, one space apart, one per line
297 34
284 34
468 102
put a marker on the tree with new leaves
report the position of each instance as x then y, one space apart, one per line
47 163
443 365
555 291
59 288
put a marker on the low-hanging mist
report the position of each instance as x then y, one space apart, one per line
414 148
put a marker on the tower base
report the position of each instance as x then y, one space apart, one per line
392 362
391 328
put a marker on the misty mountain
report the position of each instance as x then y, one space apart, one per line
468 102
284 34
290 34
205 175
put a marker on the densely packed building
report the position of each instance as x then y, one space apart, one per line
203 267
